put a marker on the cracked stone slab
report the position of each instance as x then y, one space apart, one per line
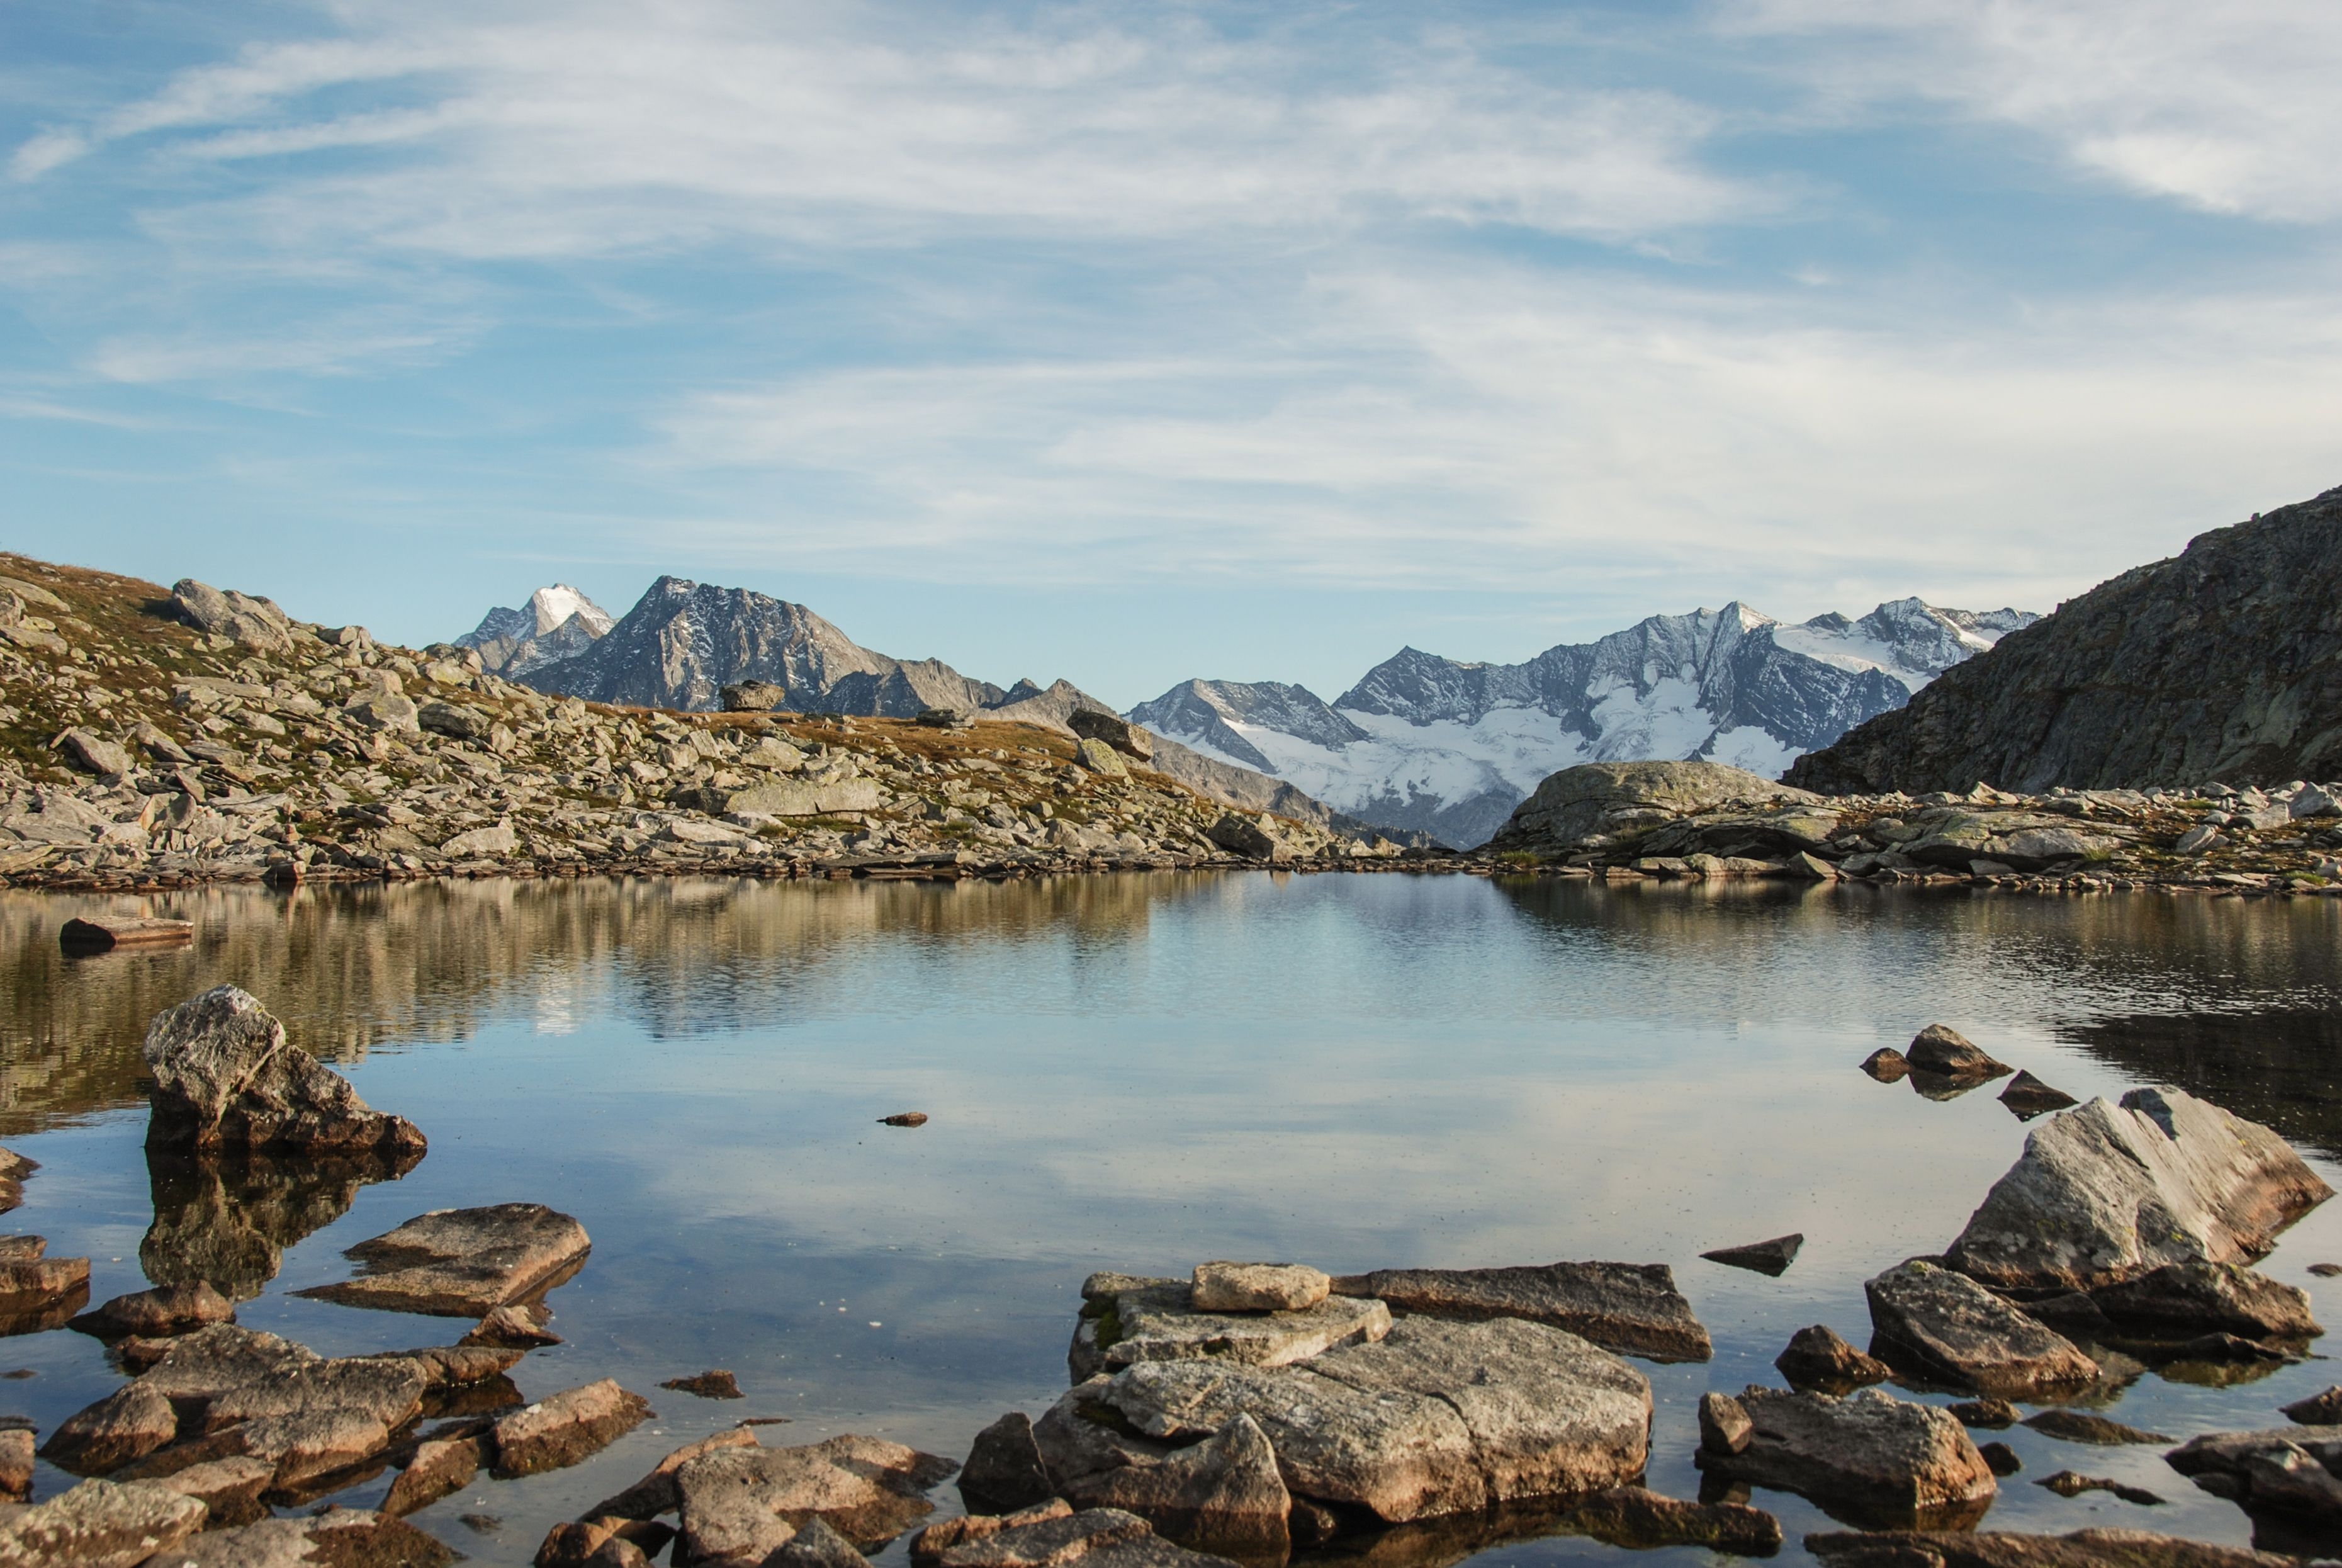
463 1262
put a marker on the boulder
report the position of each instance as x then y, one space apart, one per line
131 1423
439 1468
753 696
98 1524
1989 1415
1819 1361
158 1313
2182 1302
515 1327
1240 835
1004 1471
2027 1097
1634 1309
1940 1049
1257 1287
816 1545
2291 1471
1436 1418
1640 1520
255 622
1157 1321
1888 1065
384 710
712 1384
2109 1191
229 1488
104 933
945 719
355 1537
656 1493
1125 737
463 1262
93 753
1946 1328
1724 1423
747 1501
1223 1494
493 842
572 1425
226 1078
802 797
2082 1549
1048 1542
455 721
1608 804
1868 1456
1772 1258
1101 758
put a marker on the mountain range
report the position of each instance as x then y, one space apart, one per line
1422 746
1448 749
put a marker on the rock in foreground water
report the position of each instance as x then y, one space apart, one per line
464 1262
2082 1549
747 1501
1125 1320
2109 1191
1868 1456
226 1078
571 1426
2294 1472
98 1524
1633 1308
1772 1258
1817 1359
1945 1327
1223 1494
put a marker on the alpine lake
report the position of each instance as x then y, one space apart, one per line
1140 1072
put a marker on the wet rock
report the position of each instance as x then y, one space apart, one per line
1990 1414
1888 1065
1223 1494
463 1262
1940 1049
1724 1425
1868 1456
1048 1542
2080 1427
1257 1287
131 1422
1004 1471
2186 1301
98 1524
1157 1321
2109 1191
1640 1520
2072 1483
339 1538
1773 1257
230 1488
2082 1549
514 1327
1819 1361
38 1293
571 1426
159 1313
1634 1309
2289 1471
105 933
937 1539
904 1119
2000 1458
656 1493
816 1545
715 1383
1437 1418
2318 1409
2029 1097
439 1469
1945 1327
15 1464
747 1501
226 1077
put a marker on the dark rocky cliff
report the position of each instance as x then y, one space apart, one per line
2224 663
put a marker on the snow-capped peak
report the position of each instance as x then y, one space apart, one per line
552 607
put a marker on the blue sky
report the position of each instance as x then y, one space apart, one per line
1129 343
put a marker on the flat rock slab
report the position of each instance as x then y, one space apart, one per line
227 1078
750 1502
1437 1418
1868 1456
2109 1191
570 1426
1633 1308
98 1524
1157 1321
463 1262
1945 1327
1256 1287
2082 1549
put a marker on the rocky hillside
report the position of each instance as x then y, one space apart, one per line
1449 749
2222 663
156 737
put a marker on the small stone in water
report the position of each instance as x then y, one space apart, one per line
2000 1459
2325 1270
1993 1414
712 1384
2067 1483
1888 1065
2074 1426
1773 1257
904 1119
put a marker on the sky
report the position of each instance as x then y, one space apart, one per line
1131 343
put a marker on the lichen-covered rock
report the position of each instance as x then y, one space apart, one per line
1633 1308
1870 1454
1223 1494
567 1427
1256 1287
226 1077
1945 1327
1156 1320
2106 1192
98 1524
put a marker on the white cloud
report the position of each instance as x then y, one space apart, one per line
2229 107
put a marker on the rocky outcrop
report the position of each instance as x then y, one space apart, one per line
1222 1495
2109 1191
1870 1457
226 1078
1634 1309
1598 805
464 1262
98 1524
748 1501
1945 1327
2224 662
1126 1320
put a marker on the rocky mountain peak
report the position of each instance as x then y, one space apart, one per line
556 623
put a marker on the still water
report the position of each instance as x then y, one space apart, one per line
1140 1072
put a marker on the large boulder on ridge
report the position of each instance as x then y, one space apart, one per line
1601 805
2106 1192
227 1078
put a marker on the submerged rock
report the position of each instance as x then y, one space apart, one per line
2027 1097
2081 1426
1818 1361
1945 1051
2109 1191
1773 1257
98 1524
2073 1484
1633 1308
1888 1065
1437 1418
714 1383
158 1313
1223 1494
1257 1287
2181 1301
1945 1327
224 1077
1156 1319
2082 1549
1868 1455
463 1262
748 1501
1640 1520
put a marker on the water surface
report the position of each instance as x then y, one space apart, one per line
1140 1072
